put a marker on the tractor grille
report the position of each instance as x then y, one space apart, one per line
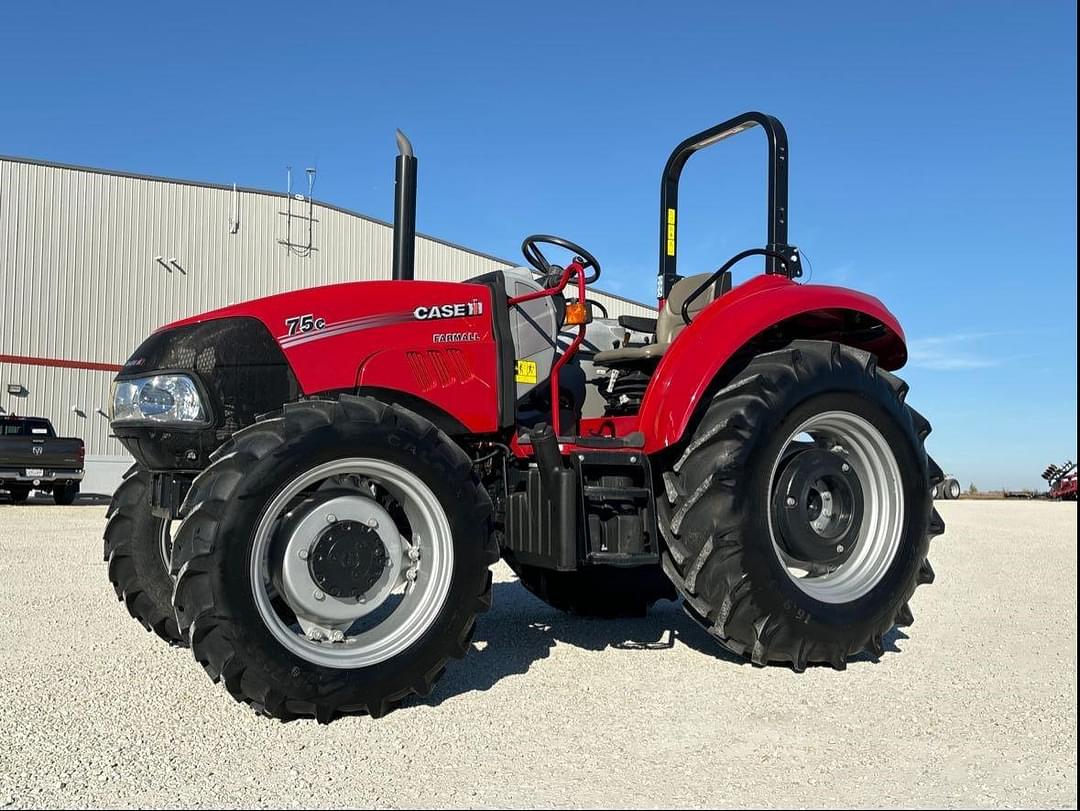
236 360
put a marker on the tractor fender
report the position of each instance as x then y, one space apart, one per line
766 310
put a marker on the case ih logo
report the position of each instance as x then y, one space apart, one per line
474 307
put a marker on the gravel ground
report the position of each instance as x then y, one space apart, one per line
549 710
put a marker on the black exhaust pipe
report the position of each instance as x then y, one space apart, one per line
404 210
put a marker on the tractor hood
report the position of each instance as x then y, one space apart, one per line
414 336
322 311
427 345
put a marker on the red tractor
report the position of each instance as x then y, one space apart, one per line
324 477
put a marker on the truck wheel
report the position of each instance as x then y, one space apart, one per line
799 516
598 591
18 494
333 559
137 548
952 489
65 494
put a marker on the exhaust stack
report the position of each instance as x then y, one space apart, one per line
404 210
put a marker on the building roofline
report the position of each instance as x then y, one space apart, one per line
252 190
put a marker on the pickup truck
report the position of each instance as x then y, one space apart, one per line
32 457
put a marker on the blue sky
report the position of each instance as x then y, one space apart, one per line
933 150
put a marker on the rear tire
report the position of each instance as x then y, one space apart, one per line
65 494
265 658
726 500
952 489
135 552
598 591
18 494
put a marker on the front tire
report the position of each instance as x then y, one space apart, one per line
799 516
136 548
360 636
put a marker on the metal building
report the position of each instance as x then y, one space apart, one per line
92 261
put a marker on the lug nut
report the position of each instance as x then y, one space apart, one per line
414 554
410 575
845 467
791 501
839 547
371 522
302 554
337 636
318 595
331 518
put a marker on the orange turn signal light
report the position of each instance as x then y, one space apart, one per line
577 312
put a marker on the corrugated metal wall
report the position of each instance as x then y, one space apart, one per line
81 279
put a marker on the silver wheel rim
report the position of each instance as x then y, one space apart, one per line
165 543
399 608
882 521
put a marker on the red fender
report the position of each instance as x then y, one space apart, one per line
698 354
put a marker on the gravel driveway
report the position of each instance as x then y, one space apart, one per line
550 710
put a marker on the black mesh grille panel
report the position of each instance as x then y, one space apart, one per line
236 360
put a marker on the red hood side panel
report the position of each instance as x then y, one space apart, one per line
433 340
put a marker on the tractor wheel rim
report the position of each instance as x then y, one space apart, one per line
165 543
881 522
360 631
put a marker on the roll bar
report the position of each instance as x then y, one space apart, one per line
777 204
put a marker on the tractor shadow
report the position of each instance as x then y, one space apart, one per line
521 630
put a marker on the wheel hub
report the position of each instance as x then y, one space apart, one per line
817 507
347 559
340 557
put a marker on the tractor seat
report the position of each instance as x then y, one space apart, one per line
669 322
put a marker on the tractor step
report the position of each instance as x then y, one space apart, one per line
618 506
612 492
616 493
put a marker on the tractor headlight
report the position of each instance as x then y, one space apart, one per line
167 399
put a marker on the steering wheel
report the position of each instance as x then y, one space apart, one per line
550 273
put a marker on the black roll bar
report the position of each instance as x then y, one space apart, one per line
777 201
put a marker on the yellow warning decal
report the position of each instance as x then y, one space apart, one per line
671 232
526 371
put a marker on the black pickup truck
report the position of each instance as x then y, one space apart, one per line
32 457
